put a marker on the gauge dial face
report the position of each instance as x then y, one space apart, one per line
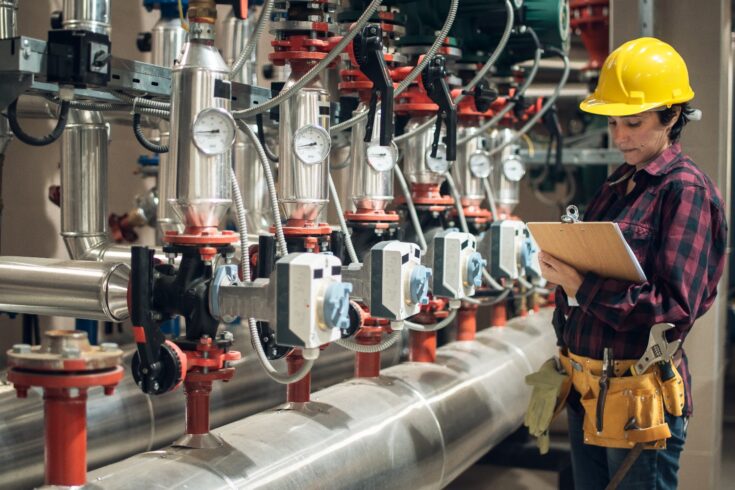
311 144
213 131
513 169
480 165
439 164
382 158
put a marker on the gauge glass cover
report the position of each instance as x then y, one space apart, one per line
311 144
439 164
213 131
513 169
480 165
382 158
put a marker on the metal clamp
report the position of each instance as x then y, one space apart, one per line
572 215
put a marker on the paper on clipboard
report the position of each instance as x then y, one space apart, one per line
597 247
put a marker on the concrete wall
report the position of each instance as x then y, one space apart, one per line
700 30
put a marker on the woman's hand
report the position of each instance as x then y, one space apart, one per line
561 273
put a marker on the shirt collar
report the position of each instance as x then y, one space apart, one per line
660 165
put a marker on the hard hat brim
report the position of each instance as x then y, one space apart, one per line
602 108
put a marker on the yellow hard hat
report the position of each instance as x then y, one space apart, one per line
640 75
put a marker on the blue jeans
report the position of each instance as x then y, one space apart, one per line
594 466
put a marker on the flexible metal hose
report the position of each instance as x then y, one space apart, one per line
316 69
432 328
406 82
280 238
354 346
242 227
457 202
264 17
150 111
510 16
411 209
490 281
342 223
521 90
492 302
490 196
145 142
36 140
547 105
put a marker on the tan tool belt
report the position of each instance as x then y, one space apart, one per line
634 405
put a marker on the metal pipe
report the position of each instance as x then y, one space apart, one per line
416 426
84 183
129 422
88 15
72 288
8 19
167 41
371 188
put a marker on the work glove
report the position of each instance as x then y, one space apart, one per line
547 384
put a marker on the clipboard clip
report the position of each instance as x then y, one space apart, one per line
572 215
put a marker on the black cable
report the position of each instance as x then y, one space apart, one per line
34 140
145 143
261 137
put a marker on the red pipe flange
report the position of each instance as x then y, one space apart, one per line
66 366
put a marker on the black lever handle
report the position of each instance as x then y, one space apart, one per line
438 91
368 48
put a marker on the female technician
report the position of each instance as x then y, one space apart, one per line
672 216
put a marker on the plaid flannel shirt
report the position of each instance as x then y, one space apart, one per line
674 221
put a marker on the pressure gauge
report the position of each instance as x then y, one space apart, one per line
438 164
311 144
213 131
382 158
513 169
480 165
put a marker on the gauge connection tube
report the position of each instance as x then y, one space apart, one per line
304 145
371 172
202 132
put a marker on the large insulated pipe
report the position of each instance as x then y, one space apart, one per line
71 288
84 184
88 15
416 426
129 422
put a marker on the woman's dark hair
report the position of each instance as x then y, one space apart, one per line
666 115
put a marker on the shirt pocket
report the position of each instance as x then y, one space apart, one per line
640 239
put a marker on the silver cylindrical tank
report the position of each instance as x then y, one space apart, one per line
88 15
416 166
8 19
203 191
473 164
84 145
71 288
302 187
419 425
508 170
129 422
370 188
167 43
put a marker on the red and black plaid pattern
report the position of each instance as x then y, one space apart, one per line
674 221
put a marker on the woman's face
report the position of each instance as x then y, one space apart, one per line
641 137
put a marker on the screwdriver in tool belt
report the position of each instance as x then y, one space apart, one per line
607 361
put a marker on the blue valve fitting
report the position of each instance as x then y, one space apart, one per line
419 284
527 251
337 305
225 275
475 263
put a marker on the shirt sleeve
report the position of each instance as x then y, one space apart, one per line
678 285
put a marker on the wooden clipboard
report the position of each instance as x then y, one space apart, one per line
597 247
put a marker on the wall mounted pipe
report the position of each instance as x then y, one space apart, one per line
70 288
129 422
417 426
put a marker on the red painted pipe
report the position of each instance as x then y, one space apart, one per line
66 436
367 365
300 391
467 323
197 406
422 346
499 315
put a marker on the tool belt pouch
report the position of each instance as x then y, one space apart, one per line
632 402
673 393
